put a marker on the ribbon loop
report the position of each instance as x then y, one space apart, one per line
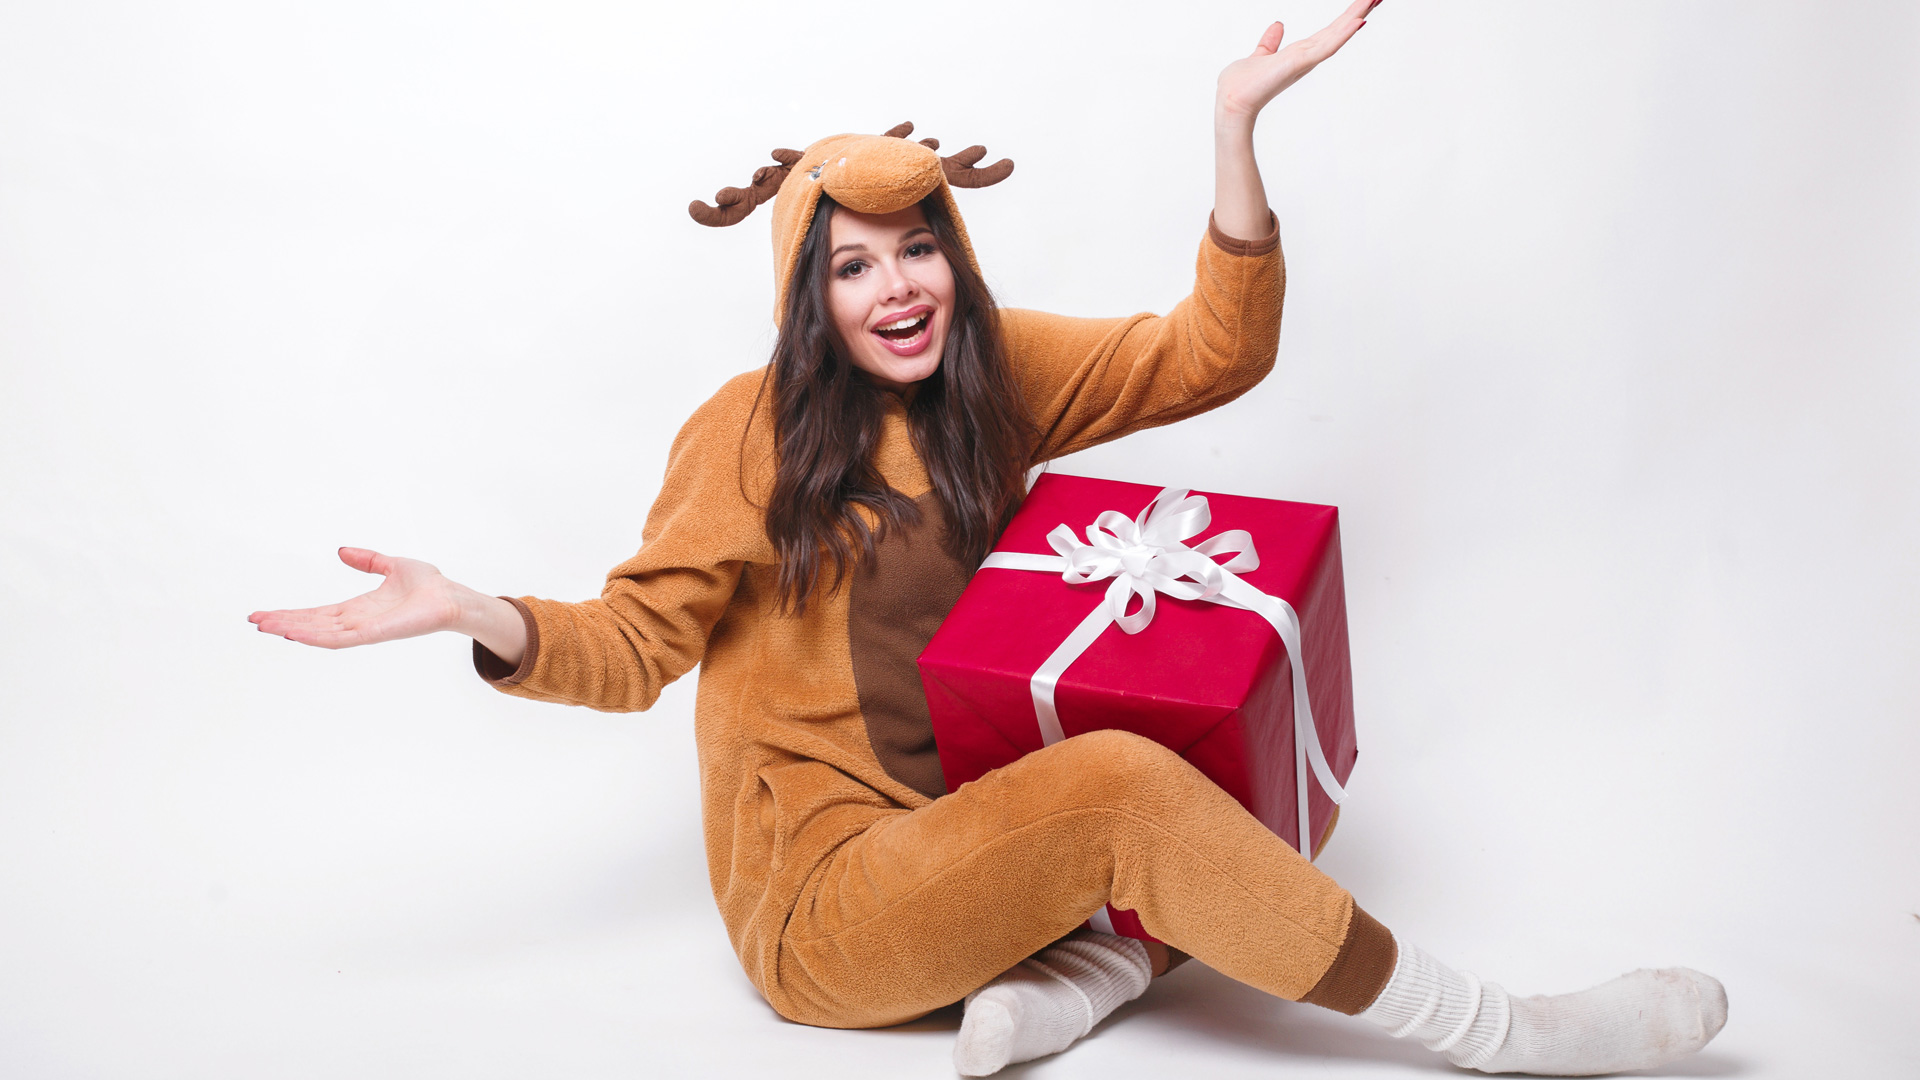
1147 555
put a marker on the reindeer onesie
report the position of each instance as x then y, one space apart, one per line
857 891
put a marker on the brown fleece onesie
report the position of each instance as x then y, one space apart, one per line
856 890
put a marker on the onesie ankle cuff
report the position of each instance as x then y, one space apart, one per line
1360 969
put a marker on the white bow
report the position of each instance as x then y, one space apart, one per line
1146 555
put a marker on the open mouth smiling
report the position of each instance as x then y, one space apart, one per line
906 333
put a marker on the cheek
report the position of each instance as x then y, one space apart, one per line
849 305
940 284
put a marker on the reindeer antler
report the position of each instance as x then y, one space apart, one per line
961 173
734 204
959 167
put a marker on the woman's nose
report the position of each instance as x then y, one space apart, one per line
895 283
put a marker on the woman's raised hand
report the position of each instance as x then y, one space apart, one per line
1239 198
1249 83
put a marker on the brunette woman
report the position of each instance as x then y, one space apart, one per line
817 520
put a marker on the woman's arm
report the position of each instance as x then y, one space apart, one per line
414 599
1091 380
1245 87
651 622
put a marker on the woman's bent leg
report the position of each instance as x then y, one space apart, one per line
925 906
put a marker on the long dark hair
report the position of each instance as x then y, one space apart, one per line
969 422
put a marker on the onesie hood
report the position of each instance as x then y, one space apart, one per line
871 174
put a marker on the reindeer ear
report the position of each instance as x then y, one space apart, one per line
732 204
900 130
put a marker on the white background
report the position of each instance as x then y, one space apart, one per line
1601 332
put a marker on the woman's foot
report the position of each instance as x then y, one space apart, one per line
1638 1021
1048 1002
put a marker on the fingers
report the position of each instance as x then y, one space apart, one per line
281 622
1336 33
326 638
1349 23
328 627
366 561
331 614
331 611
1270 41
1341 36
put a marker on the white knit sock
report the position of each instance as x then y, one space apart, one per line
1047 1002
1637 1021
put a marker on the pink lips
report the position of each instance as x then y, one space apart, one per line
914 345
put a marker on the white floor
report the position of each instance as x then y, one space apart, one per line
658 995
581 1008
246 877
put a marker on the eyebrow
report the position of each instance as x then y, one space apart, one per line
910 234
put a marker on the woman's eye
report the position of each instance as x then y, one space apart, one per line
920 249
851 269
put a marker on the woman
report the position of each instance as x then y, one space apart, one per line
818 519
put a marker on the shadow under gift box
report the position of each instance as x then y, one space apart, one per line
1210 682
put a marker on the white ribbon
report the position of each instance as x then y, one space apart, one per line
1146 556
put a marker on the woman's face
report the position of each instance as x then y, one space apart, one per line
891 293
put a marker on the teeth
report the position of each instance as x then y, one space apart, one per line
902 324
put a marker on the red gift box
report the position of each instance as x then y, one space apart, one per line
1210 681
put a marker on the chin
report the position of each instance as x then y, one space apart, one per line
917 372
894 370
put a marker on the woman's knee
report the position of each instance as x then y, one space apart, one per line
1123 763
1121 747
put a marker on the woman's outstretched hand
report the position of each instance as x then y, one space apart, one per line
414 599
1250 82
1245 87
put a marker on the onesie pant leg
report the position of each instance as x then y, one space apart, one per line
925 906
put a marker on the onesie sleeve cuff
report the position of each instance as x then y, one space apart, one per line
490 667
1235 246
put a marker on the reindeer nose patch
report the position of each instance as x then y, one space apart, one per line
875 174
